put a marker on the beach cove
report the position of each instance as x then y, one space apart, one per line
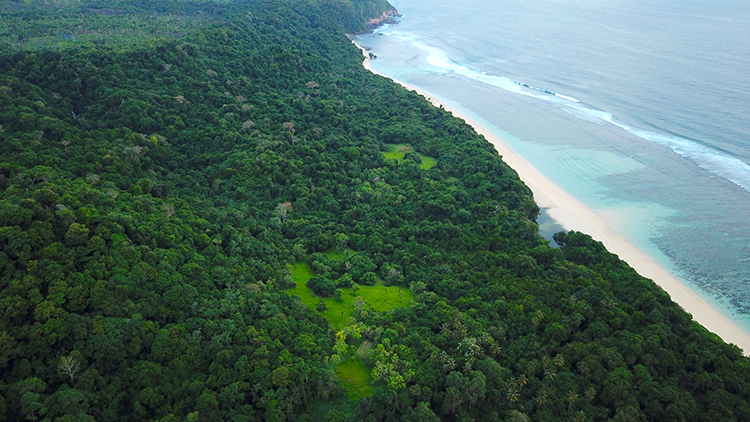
570 214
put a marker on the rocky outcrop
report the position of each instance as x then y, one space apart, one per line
387 17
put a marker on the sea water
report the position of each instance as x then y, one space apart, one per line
639 109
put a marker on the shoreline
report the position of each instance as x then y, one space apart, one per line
574 215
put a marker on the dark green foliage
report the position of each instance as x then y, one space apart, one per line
155 189
322 286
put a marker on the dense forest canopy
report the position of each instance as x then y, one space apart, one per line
211 211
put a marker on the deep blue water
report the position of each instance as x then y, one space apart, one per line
638 108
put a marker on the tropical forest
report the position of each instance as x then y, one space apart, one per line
211 211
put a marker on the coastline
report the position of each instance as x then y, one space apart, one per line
574 215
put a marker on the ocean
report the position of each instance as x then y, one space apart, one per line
638 109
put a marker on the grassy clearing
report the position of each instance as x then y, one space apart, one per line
397 152
339 312
378 297
383 298
427 162
355 377
353 373
301 274
339 254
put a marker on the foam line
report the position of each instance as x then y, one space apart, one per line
712 160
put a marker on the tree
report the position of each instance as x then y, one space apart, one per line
341 240
283 209
341 347
69 366
369 279
460 390
322 286
31 406
77 234
422 413
31 401
281 376
559 238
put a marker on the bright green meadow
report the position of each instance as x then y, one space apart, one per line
354 374
398 151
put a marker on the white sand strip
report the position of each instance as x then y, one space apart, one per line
573 215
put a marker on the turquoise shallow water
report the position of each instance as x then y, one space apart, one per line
638 110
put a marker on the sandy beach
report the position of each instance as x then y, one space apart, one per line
573 215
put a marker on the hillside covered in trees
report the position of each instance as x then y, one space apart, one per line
211 211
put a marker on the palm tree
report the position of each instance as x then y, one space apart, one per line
512 391
580 416
541 397
572 398
590 394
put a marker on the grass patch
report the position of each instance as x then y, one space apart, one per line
383 298
339 312
353 373
355 377
301 274
398 151
427 162
378 297
339 254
